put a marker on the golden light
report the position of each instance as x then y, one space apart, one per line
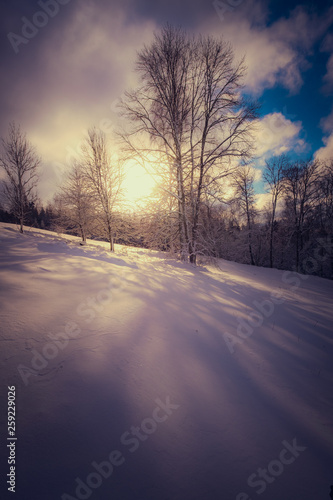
138 183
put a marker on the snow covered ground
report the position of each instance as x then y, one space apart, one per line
140 378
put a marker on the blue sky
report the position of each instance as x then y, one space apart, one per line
312 102
69 73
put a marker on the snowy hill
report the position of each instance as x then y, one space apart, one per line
140 378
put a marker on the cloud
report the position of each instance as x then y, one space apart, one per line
326 123
275 53
327 46
276 134
326 152
68 77
328 78
92 63
262 200
72 82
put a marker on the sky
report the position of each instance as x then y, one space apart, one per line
65 63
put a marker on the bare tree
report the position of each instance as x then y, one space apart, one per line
326 197
325 209
220 125
20 163
189 119
75 201
273 175
243 183
301 195
105 177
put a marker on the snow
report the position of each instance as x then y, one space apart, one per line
99 344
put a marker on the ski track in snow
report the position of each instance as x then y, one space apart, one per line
151 327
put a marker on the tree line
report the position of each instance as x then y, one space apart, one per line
189 126
294 228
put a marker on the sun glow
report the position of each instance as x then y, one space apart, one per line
138 183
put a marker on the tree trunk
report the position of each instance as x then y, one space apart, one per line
297 250
249 229
184 240
110 237
21 217
193 258
83 234
272 234
271 248
250 250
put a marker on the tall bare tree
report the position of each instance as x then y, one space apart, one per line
325 210
105 177
188 117
20 162
301 195
75 201
274 175
243 183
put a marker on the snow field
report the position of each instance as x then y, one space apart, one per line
92 340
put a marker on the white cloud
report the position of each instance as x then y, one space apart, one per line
276 135
83 70
263 200
275 53
86 63
326 123
326 152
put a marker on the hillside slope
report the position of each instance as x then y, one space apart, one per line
141 378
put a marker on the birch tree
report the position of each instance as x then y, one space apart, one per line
243 181
105 177
20 163
274 175
301 194
75 201
324 216
189 118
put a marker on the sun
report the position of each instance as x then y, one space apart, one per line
138 183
